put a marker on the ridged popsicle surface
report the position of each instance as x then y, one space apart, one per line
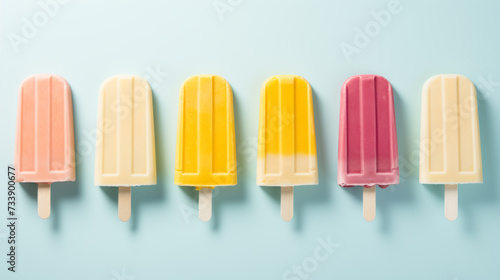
45 150
287 139
368 147
206 146
450 147
125 147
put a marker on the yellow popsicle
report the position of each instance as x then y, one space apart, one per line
125 146
206 149
450 148
287 140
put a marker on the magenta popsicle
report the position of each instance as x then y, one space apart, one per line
368 148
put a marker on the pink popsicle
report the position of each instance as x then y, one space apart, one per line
44 151
368 148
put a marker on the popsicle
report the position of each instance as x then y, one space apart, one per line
125 146
450 148
368 146
286 155
45 150
206 148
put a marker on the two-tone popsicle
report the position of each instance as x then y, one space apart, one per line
286 154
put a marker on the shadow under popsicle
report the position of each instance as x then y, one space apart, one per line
32 190
470 196
408 167
155 193
320 193
63 191
193 195
234 194
60 192
140 195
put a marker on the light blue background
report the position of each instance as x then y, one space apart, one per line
89 41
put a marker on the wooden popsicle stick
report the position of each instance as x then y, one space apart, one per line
369 203
451 201
124 203
286 203
205 204
44 200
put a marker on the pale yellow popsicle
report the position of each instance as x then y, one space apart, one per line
450 148
206 149
125 146
287 140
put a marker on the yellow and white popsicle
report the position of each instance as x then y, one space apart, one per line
450 148
125 146
206 146
287 140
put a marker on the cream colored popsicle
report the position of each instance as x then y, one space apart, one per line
125 146
45 150
450 148
206 148
287 140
